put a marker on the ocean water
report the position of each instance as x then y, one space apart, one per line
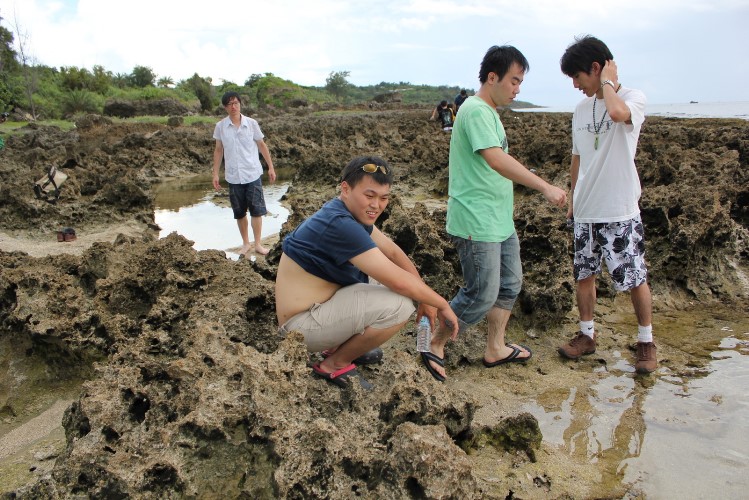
737 109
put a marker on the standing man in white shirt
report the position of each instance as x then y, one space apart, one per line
238 141
605 194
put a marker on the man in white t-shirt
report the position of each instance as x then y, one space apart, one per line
605 194
238 141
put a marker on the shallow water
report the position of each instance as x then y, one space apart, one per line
191 207
669 435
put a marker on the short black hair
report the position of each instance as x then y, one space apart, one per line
353 173
580 55
228 97
498 60
443 103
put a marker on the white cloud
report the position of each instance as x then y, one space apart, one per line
420 41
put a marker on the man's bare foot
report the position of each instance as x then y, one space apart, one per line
510 353
439 351
245 248
261 250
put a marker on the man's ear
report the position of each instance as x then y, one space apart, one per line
595 68
345 188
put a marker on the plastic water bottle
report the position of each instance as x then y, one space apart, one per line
423 335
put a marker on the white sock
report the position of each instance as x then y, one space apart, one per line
586 327
645 333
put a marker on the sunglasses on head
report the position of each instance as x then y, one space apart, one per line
369 168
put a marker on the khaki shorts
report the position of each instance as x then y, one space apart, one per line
349 311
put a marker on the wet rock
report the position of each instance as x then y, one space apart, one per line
191 392
516 433
428 463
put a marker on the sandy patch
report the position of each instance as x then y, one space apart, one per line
42 245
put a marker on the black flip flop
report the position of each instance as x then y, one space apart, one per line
426 357
341 377
512 358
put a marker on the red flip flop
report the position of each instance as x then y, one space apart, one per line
368 358
341 377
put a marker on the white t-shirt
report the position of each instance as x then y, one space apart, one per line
241 160
608 187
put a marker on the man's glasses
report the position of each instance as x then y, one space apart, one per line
232 103
369 168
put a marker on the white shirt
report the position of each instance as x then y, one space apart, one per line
241 160
608 186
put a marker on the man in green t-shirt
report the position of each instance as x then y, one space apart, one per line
480 212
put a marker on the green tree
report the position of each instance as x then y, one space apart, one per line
337 84
8 66
253 79
73 78
101 80
8 63
166 82
121 80
80 101
142 76
203 90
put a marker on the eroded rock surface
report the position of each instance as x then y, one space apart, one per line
190 391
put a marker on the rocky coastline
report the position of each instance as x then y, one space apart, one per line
181 385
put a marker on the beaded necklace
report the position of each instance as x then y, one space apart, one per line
597 129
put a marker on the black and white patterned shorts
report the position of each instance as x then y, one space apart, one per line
621 244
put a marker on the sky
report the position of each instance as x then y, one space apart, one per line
675 51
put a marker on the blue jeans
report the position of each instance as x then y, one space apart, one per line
493 276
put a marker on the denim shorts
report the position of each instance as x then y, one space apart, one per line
350 311
620 244
493 277
245 197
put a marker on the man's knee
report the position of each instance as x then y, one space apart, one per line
395 310
507 299
403 309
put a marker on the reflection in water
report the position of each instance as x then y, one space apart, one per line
701 428
191 208
669 435
601 424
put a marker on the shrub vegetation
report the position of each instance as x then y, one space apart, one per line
50 93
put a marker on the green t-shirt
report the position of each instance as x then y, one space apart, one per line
480 206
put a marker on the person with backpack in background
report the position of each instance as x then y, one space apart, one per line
444 112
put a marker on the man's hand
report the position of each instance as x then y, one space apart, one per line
216 184
609 72
428 311
272 174
556 196
450 321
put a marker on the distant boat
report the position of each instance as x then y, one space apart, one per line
693 102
